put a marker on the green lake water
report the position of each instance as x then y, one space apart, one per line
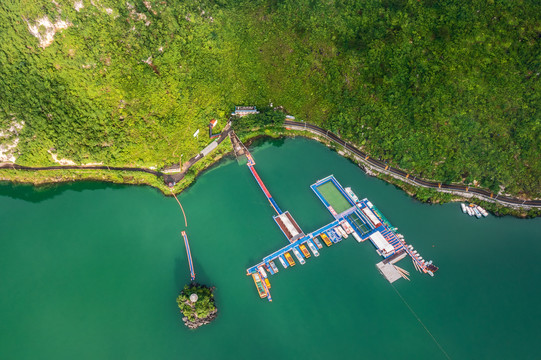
91 271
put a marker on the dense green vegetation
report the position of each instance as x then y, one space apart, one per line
202 308
267 118
449 90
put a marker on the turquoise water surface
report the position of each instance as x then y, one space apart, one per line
91 271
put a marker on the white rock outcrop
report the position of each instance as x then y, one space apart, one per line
61 161
9 139
44 29
78 5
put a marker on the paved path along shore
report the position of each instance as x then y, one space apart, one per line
382 167
371 163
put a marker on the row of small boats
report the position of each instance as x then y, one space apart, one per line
313 244
473 210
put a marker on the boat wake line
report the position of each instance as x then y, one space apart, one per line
420 322
181 208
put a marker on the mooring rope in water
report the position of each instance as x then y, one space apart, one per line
181 208
420 322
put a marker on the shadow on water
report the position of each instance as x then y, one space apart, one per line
182 273
266 140
36 194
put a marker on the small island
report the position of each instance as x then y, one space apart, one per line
196 303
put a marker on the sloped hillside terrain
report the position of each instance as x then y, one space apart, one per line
449 90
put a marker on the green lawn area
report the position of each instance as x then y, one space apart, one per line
334 197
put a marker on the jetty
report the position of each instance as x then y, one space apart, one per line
238 147
189 255
358 218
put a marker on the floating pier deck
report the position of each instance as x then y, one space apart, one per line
189 254
360 218
289 226
251 164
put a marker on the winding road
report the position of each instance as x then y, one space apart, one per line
77 167
380 166
373 164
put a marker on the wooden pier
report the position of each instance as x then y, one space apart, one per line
238 147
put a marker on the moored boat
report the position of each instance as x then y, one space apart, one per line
356 236
341 232
482 211
283 261
351 194
347 228
289 259
299 256
318 243
334 236
259 285
463 208
313 248
326 240
305 251
273 266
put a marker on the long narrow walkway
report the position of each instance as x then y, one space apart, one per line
189 254
264 188
251 163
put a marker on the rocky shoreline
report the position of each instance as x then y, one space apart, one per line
200 322
196 304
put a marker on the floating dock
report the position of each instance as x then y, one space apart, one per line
289 226
189 254
360 218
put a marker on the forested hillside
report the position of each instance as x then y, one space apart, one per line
449 90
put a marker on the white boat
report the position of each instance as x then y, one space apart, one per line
347 228
351 194
341 232
299 256
470 211
482 211
284 263
318 243
477 213
463 208
344 232
262 272
312 248
356 236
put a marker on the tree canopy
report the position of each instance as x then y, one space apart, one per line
202 308
447 89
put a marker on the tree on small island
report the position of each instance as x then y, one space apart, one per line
196 303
